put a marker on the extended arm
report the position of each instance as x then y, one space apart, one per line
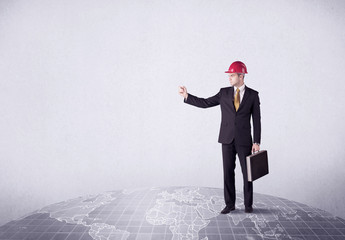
199 102
203 102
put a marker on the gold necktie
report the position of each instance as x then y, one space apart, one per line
237 99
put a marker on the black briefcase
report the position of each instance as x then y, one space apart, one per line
257 165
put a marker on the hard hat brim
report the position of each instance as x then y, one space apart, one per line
234 72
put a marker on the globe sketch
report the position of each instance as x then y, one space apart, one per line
174 213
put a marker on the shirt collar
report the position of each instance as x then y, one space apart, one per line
241 88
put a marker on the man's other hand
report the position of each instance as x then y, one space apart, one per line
255 148
183 92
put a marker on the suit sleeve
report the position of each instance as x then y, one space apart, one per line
203 102
256 119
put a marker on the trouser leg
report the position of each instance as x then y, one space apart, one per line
243 152
229 158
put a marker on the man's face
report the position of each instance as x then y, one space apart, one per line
234 79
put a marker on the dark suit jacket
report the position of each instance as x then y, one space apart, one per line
234 125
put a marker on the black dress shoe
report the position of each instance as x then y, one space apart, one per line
227 209
248 209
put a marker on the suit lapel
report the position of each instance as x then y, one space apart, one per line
231 98
245 97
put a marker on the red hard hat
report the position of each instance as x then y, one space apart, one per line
237 67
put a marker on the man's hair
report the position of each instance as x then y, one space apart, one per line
241 74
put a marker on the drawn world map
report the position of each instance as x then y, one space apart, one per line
173 213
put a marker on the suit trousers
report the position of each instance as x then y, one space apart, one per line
229 152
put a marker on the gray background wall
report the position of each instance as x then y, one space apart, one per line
89 96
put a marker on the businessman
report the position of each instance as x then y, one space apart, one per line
238 104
